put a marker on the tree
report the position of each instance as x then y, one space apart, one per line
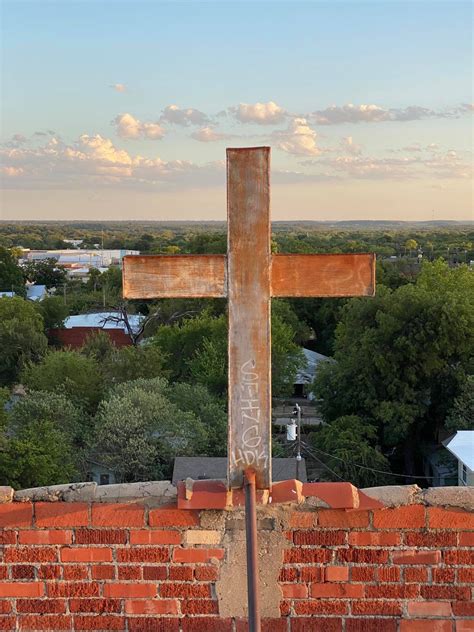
346 446
401 357
68 372
139 431
21 337
130 363
45 272
11 275
53 310
411 244
461 415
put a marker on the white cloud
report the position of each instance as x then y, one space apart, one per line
371 113
188 116
208 135
127 126
119 87
349 147
298 139
261 113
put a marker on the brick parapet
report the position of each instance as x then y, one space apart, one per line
133 567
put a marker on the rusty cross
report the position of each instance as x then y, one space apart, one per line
249 276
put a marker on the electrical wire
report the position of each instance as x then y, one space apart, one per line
305 447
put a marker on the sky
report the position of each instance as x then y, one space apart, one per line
122 110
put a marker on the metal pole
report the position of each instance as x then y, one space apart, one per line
252 551
298 454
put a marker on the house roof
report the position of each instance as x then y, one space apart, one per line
203 467
35 292
7 294
99 320
462 446
313 359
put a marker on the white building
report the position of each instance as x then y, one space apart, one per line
461 445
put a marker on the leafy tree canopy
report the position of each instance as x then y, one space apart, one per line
45 272
11 275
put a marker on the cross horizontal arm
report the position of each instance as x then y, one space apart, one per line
197 276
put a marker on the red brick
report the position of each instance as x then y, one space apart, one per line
129 572
287 492
209 573
23 571
117 515
185 590
16 515
440 518
45 537
181 573
155 572
118 590
5 607
45 622
366 502
336 574
7 623
103 572
148 554
316 625
431 625
443 575
371 625
61 514
143 624
153 606
461 557
388 574
206 494
173 518
466 539
41 606
312 574
206 624
376 607
392 591
319 606
429 609
31 554
3 571
374 538
461 593
463 608
155 537
199 606
73 589
21 589
306 556
75 572
431 539
417 557
49 571
362 574
268 625
98 622
99 554
198 556
466 575
7 537
101 536
95 605
285 608
303 520
465 626
407 517
363 556
288 575
294 591
321 538
336 495
342 518
337 591
412 575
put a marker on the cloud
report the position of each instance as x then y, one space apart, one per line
348 146
178 116
119 87
298 139
370 113
208 135
261 113
127 126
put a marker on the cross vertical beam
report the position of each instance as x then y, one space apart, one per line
248 287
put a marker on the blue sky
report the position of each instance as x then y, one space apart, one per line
366 106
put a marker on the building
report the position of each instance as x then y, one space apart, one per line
36 292
78 328
461 446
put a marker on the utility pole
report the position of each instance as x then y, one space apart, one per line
297 413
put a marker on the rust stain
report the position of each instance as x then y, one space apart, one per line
323 275
174 276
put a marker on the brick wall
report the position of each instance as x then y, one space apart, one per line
128 566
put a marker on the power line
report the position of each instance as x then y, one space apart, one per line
305 447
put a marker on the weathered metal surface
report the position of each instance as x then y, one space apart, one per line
174 276
248 278
323 275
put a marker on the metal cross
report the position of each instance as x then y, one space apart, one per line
249 276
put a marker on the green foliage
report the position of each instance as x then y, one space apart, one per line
53 310
131 363
68 372
11 275
45 272
349 440
461 414
139 431
21 337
